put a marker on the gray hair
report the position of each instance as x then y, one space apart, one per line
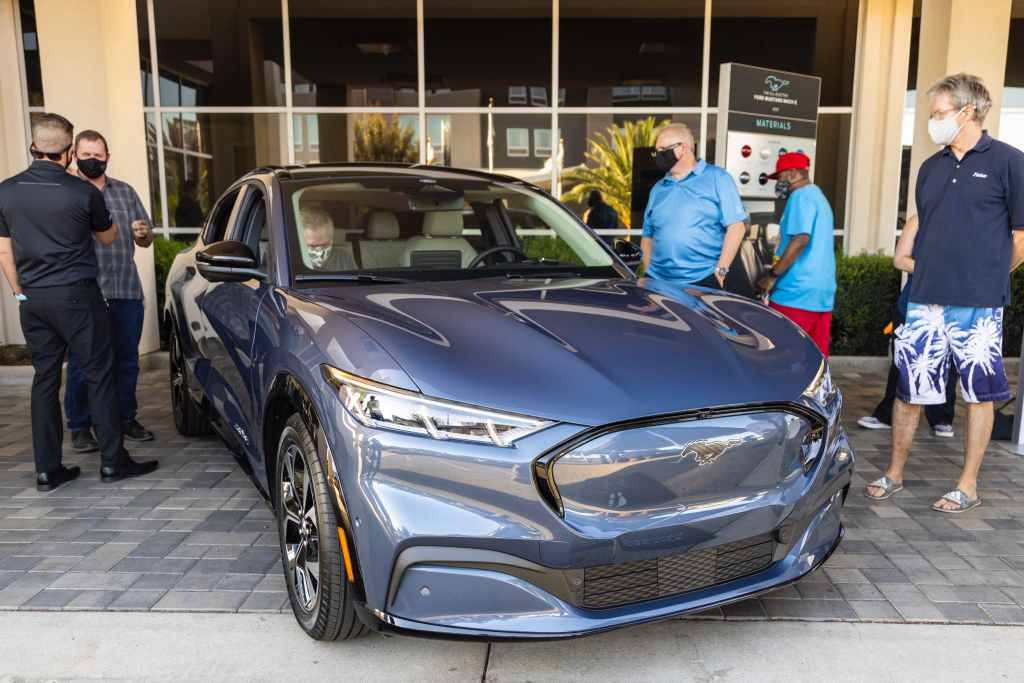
51 133
965 89
316 219
681 129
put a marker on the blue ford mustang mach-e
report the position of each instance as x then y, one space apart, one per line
472 420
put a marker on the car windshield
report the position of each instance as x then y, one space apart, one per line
412 227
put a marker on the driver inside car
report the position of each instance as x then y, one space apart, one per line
321 252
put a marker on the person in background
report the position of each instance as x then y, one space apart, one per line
694 220
119 281
970 237
802 284
48 221
188 213
600 215
940 417
318 234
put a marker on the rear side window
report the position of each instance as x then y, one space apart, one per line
220 217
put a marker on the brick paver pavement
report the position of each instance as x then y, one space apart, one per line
197 537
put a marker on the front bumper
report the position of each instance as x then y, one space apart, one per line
454 540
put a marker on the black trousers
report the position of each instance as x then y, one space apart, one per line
55 320
710 281
936 414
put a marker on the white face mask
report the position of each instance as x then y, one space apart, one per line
944 131
318 256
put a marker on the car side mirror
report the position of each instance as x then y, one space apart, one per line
228 261
629 252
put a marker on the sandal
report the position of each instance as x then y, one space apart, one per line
888 486
958 498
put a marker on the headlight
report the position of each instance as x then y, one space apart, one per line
824 393
384 407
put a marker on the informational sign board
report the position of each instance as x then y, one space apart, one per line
762 114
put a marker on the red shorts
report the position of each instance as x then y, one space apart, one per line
818 324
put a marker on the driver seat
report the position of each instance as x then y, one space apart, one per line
441 245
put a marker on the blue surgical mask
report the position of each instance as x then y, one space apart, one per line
782 189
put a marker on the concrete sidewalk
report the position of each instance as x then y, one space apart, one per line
205 647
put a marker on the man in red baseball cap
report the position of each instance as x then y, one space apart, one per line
802 282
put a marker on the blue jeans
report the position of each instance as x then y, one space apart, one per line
126 316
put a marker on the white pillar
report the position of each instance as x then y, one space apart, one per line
880 86
958 35
13 146
98 87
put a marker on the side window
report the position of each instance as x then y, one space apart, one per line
251 225
219 218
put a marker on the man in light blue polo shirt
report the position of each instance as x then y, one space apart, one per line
694 221
802 283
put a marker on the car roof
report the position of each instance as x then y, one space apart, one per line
380 168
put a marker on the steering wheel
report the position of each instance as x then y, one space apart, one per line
495 250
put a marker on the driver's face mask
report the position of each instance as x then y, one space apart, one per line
318 256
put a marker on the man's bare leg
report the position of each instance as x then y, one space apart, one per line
979 431
904 423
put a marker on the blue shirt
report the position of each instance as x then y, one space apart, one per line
810 282
687 219
966 210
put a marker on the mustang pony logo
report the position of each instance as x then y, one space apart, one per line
775 84
706 451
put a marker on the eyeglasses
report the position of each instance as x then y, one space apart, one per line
941 114
659 150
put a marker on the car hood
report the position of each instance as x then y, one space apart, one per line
586 351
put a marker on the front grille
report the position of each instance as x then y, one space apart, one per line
612 585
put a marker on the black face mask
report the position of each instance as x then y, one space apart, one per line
782 189
92 168
665 160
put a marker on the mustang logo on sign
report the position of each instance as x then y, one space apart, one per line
775 84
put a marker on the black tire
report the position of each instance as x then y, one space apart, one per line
189 418
320 595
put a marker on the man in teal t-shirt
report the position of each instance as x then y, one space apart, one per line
802 283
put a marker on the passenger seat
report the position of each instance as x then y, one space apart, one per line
441 245
381 248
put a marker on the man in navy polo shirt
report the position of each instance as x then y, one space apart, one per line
694 221
970 203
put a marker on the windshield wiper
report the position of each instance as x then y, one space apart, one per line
541 273
350 277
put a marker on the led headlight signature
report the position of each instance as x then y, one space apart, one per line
385 407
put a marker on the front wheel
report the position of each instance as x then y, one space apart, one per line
189 418
320 596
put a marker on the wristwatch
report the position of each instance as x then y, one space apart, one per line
721 271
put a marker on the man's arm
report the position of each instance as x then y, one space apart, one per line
734 235
7 263
903 258
106 237
792 252
142 226
646 247
1018 249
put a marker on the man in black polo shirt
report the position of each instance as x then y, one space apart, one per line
48 220
970 202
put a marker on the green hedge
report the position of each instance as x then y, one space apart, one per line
164 251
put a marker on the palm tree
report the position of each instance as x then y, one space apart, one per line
383 138
609 164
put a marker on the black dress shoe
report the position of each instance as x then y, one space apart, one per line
133 431
83 441
126 468
48 481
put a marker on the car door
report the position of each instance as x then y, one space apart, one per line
198 295
234 309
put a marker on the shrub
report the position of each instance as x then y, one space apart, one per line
164 251
867 287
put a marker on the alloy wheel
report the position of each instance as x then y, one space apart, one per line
178 389
301 528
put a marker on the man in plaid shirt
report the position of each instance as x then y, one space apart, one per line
122 288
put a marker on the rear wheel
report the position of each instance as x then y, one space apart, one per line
189 418
320 596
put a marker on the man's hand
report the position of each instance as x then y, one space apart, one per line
142 232
767 282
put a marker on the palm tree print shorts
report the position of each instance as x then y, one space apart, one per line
933 336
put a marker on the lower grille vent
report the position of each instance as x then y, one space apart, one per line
612 585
